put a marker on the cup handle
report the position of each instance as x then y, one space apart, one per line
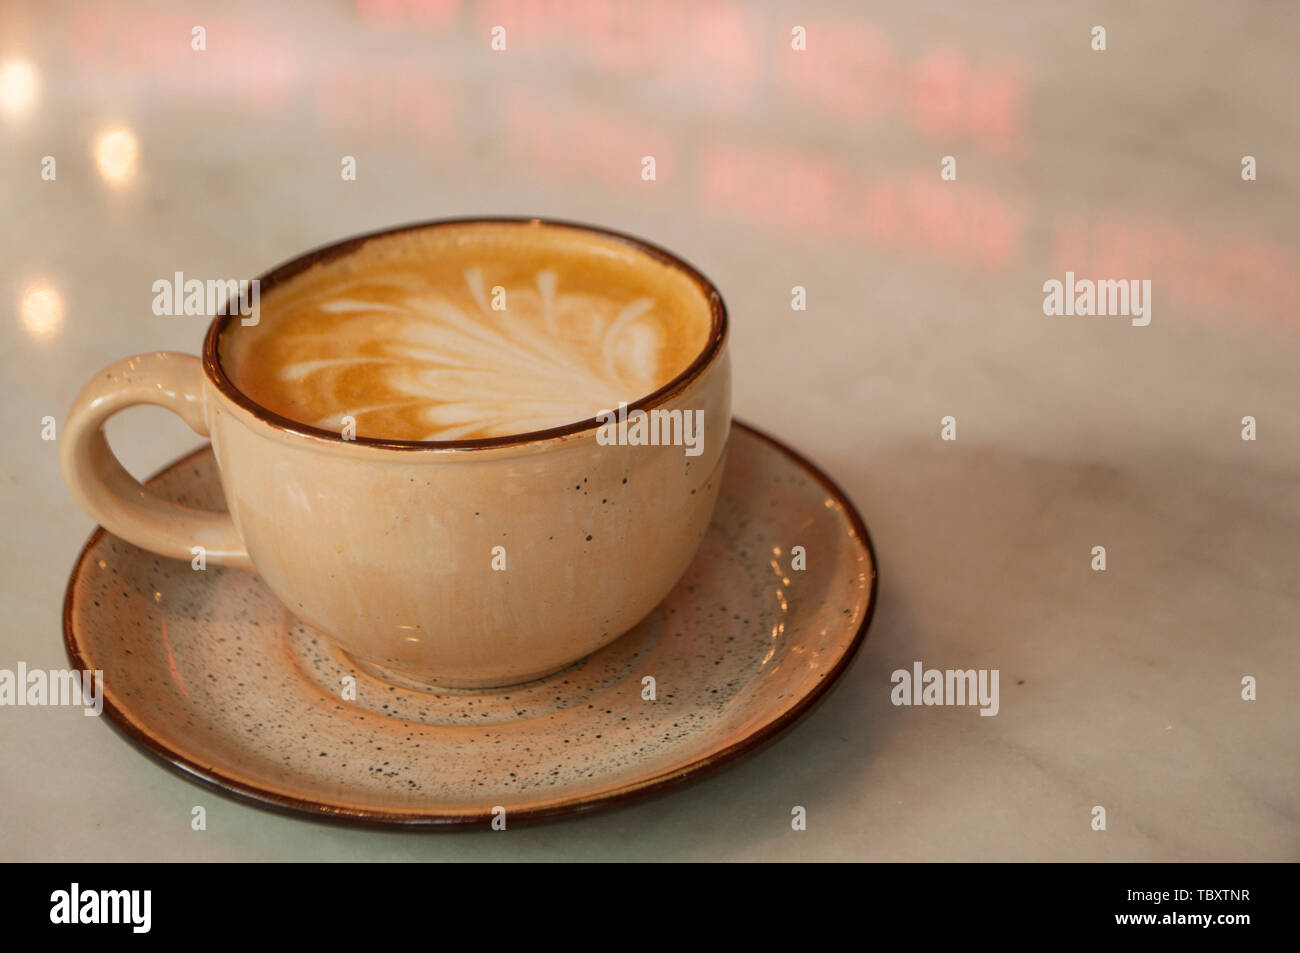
121 504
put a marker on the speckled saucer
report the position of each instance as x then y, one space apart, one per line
210 673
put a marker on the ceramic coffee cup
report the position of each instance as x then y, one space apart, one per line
390 548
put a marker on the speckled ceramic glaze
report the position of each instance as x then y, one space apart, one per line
209 671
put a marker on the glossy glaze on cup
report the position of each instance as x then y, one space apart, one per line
388 546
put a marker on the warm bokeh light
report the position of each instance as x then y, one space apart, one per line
116 154
17 86
41 311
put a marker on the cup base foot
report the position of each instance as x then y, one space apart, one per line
412 682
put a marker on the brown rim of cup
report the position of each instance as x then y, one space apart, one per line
286 270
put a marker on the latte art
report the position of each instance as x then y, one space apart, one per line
448 371
464 332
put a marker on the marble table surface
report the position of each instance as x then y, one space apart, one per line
775 168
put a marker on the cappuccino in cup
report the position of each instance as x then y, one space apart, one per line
407 442
466 332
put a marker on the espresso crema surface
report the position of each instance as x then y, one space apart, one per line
460 332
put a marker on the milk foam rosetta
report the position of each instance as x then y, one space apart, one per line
469 331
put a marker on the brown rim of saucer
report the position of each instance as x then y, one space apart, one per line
248 793
286 270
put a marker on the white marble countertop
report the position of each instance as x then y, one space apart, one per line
775 168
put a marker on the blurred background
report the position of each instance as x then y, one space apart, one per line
775 167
